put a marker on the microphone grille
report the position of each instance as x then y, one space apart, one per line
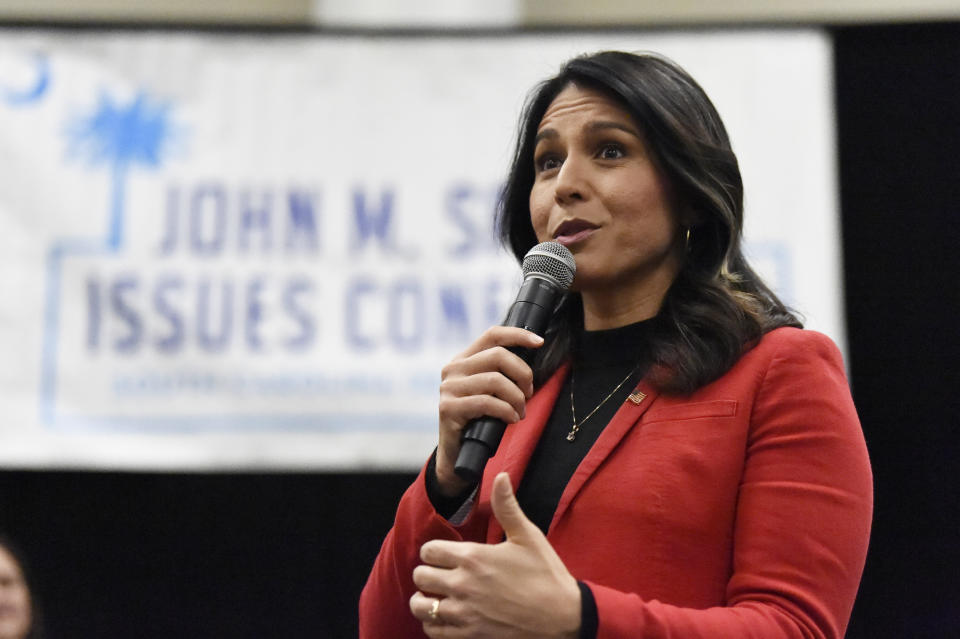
553 260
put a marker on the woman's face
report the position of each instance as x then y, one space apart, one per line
598 191
14 599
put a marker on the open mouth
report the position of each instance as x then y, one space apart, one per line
573 231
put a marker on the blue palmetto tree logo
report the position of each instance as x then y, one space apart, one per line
121 136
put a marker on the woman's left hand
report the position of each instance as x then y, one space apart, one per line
518 588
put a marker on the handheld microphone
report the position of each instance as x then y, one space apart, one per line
548 270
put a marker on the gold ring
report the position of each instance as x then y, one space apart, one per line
434 609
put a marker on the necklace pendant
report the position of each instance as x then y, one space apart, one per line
572 435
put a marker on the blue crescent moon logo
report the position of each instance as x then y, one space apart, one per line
30 92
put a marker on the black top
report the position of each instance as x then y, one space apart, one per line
601 360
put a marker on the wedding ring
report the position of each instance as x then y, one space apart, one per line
434 609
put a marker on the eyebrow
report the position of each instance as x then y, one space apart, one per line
593 127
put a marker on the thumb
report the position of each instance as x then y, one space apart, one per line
507 510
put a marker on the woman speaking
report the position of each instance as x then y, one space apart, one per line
687 459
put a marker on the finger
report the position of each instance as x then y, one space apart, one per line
494 359
503 336
477 393
449 623
439 617
485 383
443 553
507 510
445 630
436 581
463 409
421 605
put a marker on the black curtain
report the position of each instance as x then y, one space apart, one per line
285 555
898 114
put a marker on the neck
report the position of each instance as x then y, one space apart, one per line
602 314
621 305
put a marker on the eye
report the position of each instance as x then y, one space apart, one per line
548 162
611 151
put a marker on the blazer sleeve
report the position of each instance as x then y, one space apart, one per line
803 514
384 602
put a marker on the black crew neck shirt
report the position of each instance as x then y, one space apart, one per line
600 361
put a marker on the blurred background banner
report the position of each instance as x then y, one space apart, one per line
233 251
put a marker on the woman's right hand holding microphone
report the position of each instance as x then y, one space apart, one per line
486 379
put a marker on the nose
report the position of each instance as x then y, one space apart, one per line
571 183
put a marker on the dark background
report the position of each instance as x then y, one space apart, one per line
285 555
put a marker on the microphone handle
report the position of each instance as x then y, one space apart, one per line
532 310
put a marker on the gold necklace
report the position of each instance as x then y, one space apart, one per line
572 435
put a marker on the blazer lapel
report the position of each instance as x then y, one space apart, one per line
519 442
622 423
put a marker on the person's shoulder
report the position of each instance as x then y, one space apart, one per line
792 343
792 337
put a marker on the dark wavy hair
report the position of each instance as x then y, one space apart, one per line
717 307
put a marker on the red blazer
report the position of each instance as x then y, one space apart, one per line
742 510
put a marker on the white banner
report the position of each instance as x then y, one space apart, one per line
239 251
